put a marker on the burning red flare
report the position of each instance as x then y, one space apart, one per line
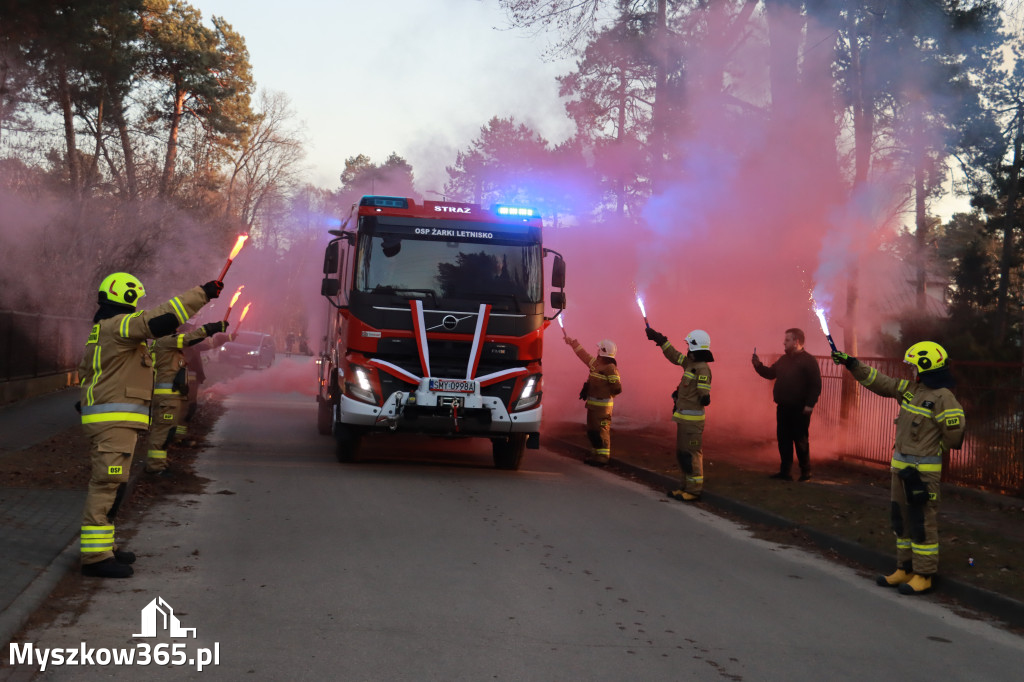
234 252
238 245
232 304
245 310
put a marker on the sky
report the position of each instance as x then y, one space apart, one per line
419 78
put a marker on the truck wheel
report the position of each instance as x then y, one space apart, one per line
346 443
324 418
508 452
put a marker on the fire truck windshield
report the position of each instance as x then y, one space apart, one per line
509 273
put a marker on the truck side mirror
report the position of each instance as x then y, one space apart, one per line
558 273
330 287
331 258
558 300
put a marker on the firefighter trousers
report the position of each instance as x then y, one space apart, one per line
167 412
188 406
599 432
110 453
916 525
690 455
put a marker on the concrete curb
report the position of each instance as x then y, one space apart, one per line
14 617
1008 610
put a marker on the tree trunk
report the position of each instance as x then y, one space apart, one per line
131 178
94 166
863 133
920 230
172 141
620 134
783 57
1009 223
64 95
659 110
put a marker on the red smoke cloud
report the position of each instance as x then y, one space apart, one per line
747 222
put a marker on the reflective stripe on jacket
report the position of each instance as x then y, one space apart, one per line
116 371
603 382
929 423
169 358
693 385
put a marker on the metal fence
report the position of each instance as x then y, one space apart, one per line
33 345
992 395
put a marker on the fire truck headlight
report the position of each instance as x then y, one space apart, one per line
358 386
531 393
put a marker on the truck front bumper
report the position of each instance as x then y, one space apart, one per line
469 415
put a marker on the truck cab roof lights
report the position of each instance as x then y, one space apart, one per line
516 211
384 202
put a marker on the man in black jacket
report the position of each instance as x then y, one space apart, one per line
797 387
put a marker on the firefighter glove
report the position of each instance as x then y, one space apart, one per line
843 359
213 288
212 328
657 337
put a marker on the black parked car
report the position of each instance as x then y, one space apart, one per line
249 349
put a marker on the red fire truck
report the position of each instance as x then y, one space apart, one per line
436 324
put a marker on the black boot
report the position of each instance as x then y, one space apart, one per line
108 568
124 557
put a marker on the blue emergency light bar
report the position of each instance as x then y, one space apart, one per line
516 211
387 202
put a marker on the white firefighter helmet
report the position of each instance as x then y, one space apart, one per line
607 348
698 339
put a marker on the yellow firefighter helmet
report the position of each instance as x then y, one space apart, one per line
926 356
121 288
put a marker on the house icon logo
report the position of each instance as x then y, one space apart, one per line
158 617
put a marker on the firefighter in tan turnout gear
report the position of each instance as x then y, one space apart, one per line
116 388
691 397
170 390
196 376
930 423
603 384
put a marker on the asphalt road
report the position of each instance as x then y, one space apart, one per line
414 565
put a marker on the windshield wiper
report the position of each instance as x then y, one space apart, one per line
427 293
495 294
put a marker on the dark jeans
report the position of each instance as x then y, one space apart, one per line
791 430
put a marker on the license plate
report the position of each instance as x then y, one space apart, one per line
452 386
